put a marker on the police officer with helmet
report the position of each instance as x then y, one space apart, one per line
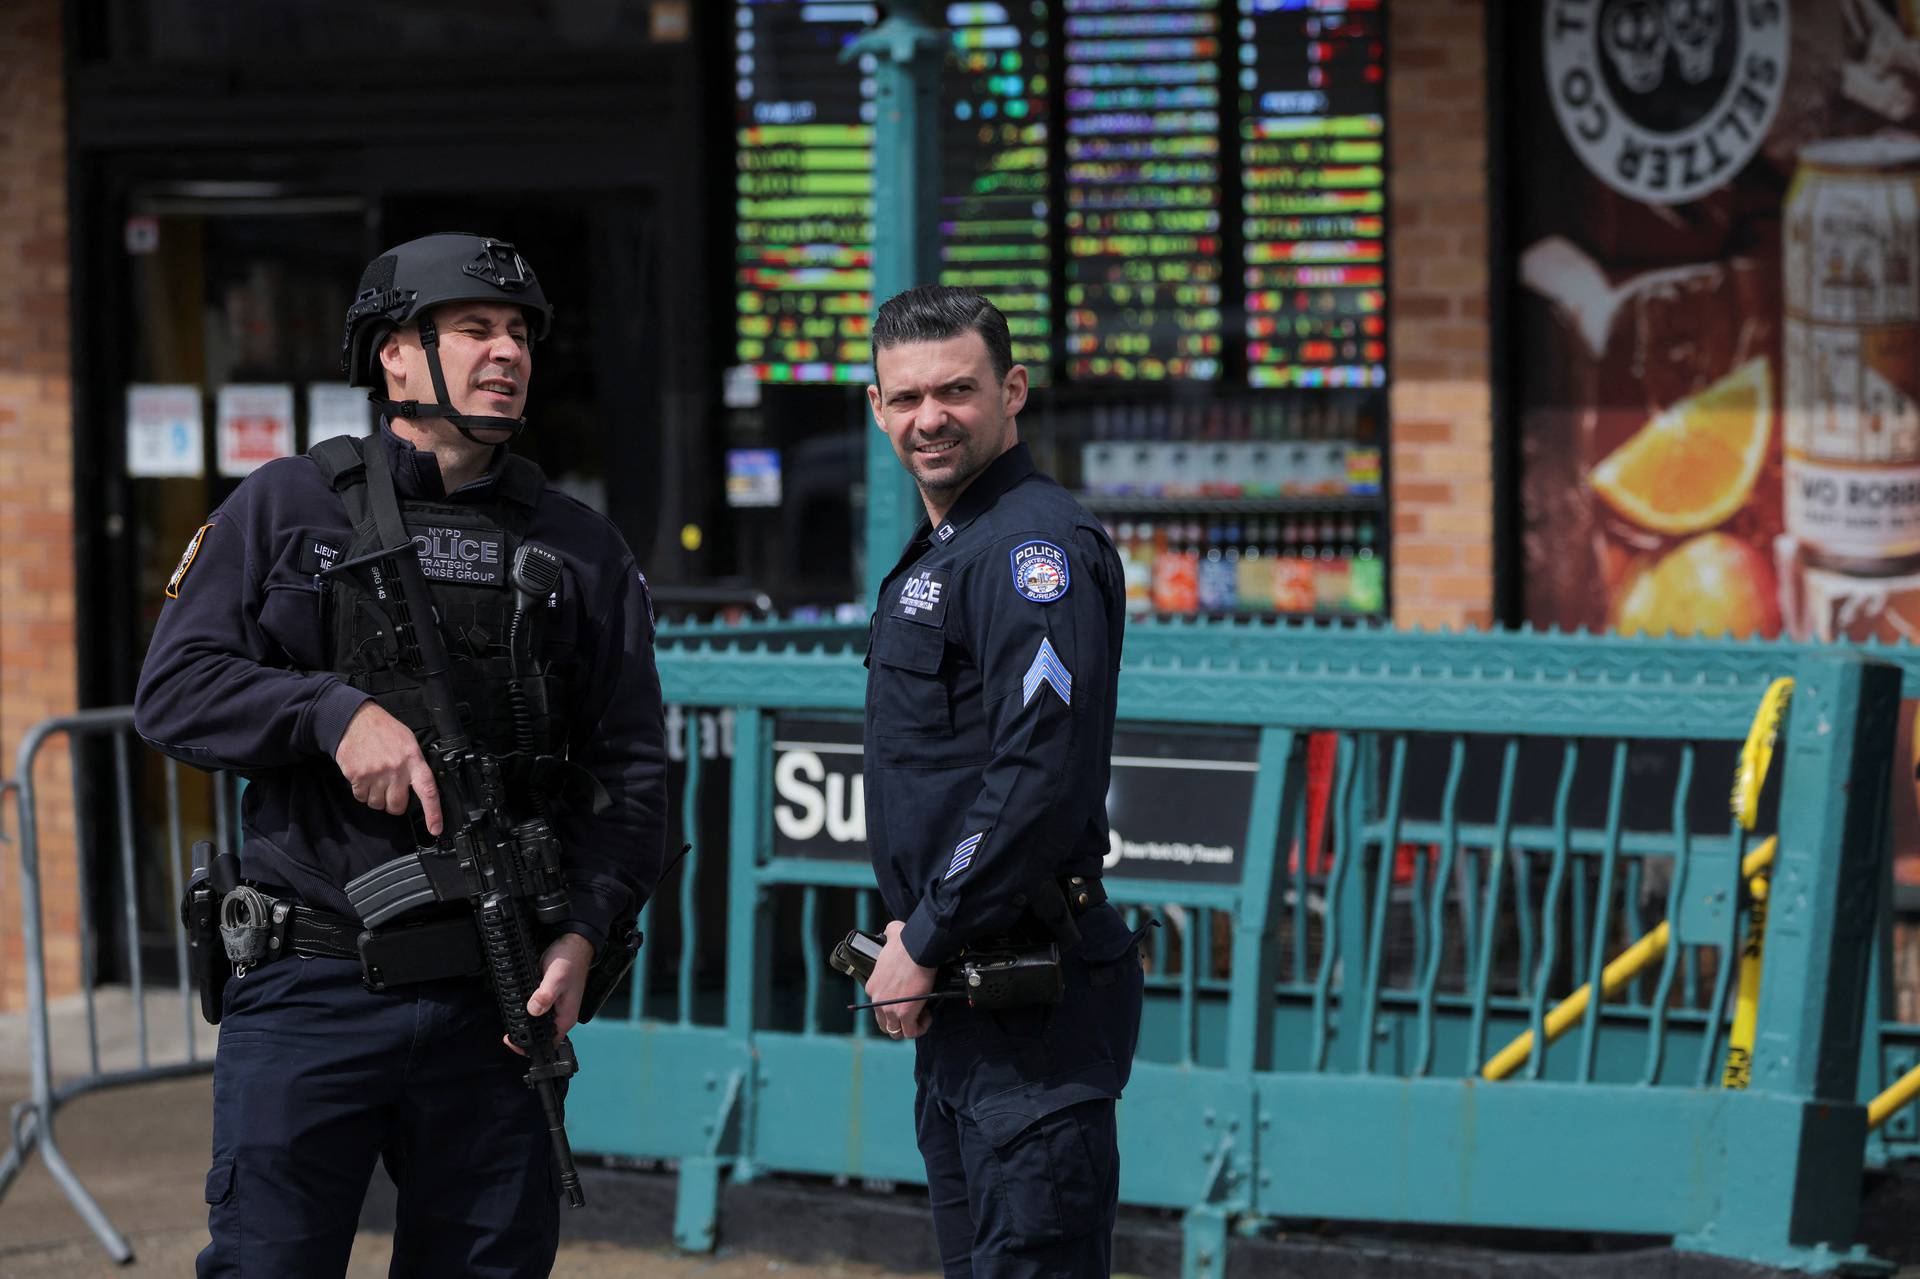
992 670
276 656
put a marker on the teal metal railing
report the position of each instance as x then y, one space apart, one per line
1503 814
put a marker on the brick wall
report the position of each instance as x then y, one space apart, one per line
1442 462
37 639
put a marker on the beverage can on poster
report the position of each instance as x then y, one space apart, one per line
1851 375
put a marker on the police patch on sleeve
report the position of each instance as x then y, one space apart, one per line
1040 571
922 597
186 561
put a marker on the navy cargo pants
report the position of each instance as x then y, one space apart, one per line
1015 1117
316 1077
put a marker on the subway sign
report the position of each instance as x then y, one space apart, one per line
1178 800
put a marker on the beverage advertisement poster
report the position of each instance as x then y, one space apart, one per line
1715 218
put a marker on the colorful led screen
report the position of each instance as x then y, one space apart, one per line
804 204
1313 191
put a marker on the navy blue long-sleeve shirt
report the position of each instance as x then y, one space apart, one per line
992 671
237 678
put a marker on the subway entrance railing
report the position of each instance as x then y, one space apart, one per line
1378 858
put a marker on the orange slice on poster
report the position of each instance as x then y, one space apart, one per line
1694 465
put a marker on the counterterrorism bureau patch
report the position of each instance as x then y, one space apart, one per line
1040 571
186 561
923 597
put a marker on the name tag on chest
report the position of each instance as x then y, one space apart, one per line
317 556
922 597
470 556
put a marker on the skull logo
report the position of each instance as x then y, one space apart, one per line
1634 35
1694 27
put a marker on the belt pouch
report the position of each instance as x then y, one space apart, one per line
420 952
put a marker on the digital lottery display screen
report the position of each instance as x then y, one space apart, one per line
803 198
1136 268
1143 268
994 206
1313 182
803 268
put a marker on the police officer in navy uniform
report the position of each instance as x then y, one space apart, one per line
989 727
268 662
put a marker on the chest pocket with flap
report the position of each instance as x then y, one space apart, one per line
909 697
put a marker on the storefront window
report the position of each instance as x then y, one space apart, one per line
172 31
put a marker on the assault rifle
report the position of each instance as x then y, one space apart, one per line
509 870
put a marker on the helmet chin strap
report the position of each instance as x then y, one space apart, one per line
465 423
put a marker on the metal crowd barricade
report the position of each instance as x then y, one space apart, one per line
55 1083
1503 814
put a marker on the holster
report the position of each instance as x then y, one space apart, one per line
207 962
613 963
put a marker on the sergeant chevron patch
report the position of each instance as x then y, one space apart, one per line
962 856
1047 669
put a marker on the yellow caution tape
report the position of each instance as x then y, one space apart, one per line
1756 756
1746 1004
1756 759
1629 964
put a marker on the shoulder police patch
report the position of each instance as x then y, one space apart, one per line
1040 571
186 561
923 597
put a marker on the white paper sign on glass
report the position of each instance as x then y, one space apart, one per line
333 409
164 426
255 425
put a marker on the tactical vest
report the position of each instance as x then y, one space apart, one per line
466 550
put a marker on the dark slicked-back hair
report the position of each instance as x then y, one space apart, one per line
936 312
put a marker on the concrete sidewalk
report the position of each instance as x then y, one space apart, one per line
142 1151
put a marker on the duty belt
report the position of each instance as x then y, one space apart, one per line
396 956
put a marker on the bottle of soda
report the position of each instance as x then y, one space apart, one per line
1183 586
1329 571
1297 452
1367 585
1363 459
1217 585
1253 576
1136 565
1163 552
1293 571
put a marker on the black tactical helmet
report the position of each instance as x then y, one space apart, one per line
405 283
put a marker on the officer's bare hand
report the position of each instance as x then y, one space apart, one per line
896 976
563 980
381 760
